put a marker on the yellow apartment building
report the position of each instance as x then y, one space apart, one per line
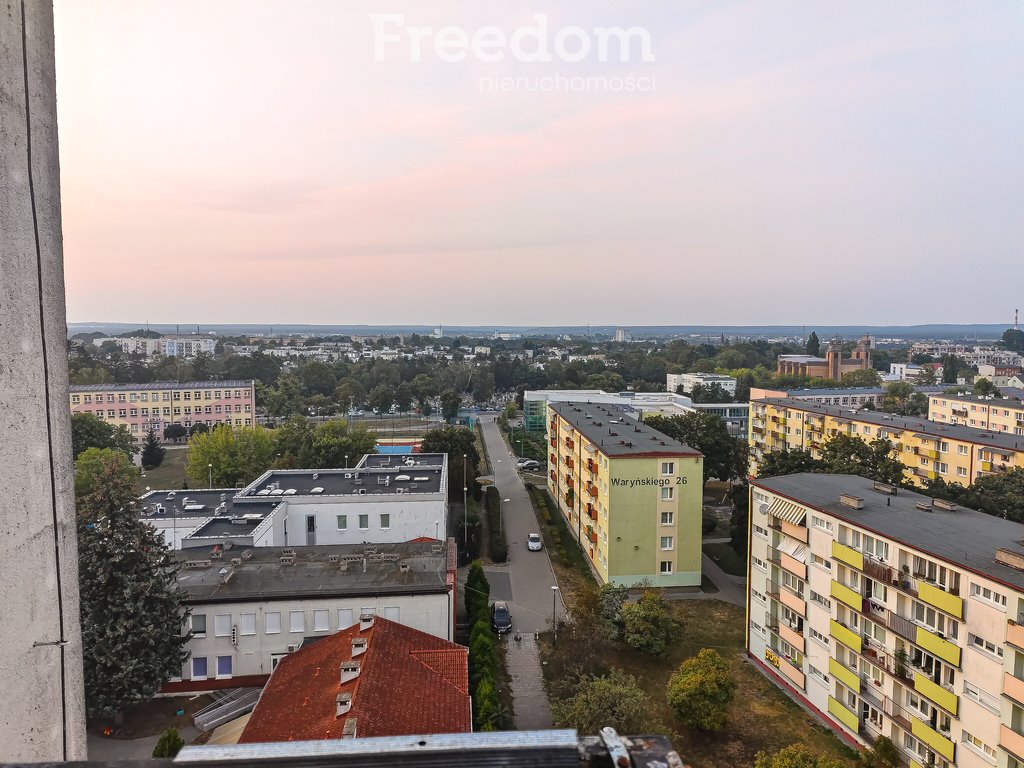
996 414
891 614
928 449
630 495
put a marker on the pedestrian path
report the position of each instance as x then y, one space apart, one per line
529 699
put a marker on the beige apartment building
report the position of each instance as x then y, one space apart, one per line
890 614
997 414
928 449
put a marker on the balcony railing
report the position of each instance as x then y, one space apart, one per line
569 462
591 512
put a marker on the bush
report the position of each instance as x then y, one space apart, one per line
485 704
701 690
647 624
615 700
169 744
708 525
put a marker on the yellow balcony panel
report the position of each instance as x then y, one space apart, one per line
915 764
932 738
792 637
1015 634
1011 741
793 565
842 714
846 595
1013 687
846 676
936 646
942 600
847 555
847 637
948 701
793 602
986 466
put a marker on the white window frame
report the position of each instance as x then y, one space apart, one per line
321 620
671 543
222 625
292 615
272 623
247 624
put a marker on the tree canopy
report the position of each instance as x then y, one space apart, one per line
238 456
647 624
700 691
615 700
843 455
708 434
796 756
90 431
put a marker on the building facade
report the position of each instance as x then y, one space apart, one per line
891 614
928 450
251 607
179 346
998 414
141 407
849 396
673 381
832 366
630 495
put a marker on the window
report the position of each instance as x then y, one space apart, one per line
667 518
668 467
817 673
962 450
247 623
961 472
392 612
222 625
989 595
271 623
223 666
346 618
668 493
986 699
820 522
985 645
342 522
321 621
296 621
821 562
978 745
666 542
816 635
364 522
943 467
760 531
199 667
198 624
385 522
666 566
759 562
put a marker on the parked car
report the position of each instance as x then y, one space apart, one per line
530 465
501 618
533 542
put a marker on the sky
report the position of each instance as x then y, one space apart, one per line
390 162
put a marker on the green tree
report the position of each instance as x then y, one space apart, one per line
951 368
174 432
883 754
286 397
615 700
700 691
796 756
238 454
985 387
788 461
131 606
901 398
867 377
456 442
169 744
95 461
647 624
90 431
293 442
334 440
849 455
926 377
1013 339
199 428
710 393
708 434
813 346
152 451
450 403
381 398
609 602
201 367
740 497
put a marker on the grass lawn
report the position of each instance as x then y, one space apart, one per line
725 557
169 475
761 716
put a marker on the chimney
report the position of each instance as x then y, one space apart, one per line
358 646
852 501
343 703
349 671
365 621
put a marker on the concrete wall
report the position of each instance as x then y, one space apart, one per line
42 709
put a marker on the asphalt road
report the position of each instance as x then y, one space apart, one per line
529 582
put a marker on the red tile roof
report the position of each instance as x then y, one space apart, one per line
409 682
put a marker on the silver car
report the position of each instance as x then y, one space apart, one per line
533 542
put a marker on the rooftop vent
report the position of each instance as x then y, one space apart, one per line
949 506
343 702
885 488
365 621
287 559
1014 560
358 646
236 561
403 567
851 501
332 558
349 671
924 506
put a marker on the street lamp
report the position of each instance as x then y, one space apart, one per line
554 626
346 461
465 508
436 524
210 468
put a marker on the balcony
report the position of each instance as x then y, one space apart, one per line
794 602
1013 687
798 532
568 480
569 443
1015 634
790 671
843 715
941 599
554 476
569 462
791 636
554 442
553 458
591 466
848 555
591 512
846 595
937 646
932 738
569 497
844 675
847 637
793 565
592 490
931 690
1011 741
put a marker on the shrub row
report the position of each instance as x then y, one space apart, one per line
482 658
499 545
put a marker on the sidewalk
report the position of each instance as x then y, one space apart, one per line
529 699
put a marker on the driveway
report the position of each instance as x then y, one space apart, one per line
530 577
